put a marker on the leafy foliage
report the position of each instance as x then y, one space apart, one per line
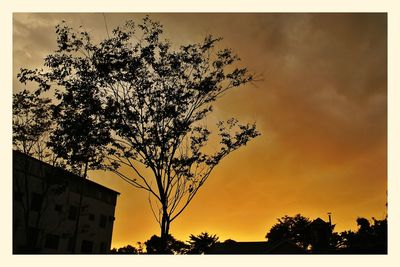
83 131
125 250
156 245
369 238
201 243
32 122
295 229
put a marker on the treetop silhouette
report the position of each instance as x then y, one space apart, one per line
295 228
151 97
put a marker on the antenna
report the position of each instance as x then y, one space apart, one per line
330 219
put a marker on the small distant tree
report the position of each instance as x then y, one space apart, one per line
155 98
128 249
295 229
369 238
140 248
201 243
156 245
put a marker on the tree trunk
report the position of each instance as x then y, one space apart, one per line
164 231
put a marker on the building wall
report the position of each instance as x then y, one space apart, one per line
51 211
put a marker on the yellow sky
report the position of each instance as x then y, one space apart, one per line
320 104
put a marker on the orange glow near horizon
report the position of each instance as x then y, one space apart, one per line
320 105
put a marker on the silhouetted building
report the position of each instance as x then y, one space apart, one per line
285 247
46 214
321 233
261 247
233 247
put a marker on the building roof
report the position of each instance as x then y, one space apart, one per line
65 174
233 247
318 221
285 247
258 247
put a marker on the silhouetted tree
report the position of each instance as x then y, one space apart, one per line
295 229
128 249
82 133
367 239
72 131
155 245
155 97
124 250
336 241
32 124
201 243
140 247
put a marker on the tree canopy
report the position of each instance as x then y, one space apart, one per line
201 243
369 238
156 245
295 229
135 99
32 122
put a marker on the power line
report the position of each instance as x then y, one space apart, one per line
105 23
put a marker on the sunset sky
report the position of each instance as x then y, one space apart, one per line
320 105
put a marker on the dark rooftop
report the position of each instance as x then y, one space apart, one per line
60 172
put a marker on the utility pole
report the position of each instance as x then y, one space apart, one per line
330 219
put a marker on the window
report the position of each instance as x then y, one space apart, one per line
91 217
58 208
103 221
36 201
87 246
52 241
73 212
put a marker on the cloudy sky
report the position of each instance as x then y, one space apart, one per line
320 104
